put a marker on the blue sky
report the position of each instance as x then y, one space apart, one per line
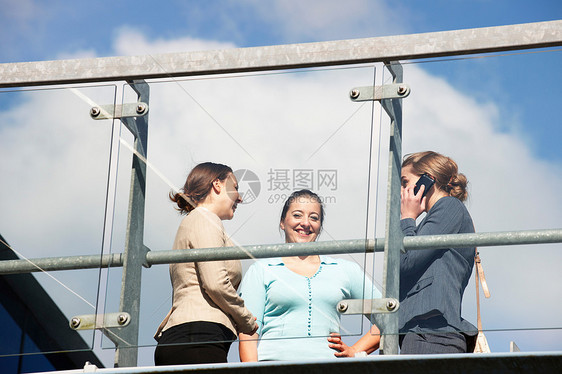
35 30
498 116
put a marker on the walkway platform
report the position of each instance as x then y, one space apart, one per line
536 362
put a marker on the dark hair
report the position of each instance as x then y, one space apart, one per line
443 169
198 185
298 194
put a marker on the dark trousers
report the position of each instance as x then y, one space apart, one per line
448 342
194 343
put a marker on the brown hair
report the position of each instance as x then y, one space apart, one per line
198 185
441 168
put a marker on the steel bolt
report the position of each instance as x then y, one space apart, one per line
75 322
140 108
402 90
122 319
342 307
390 305
354 93
95 111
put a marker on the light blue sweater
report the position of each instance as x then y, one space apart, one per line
288 305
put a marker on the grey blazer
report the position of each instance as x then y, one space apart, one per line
432 282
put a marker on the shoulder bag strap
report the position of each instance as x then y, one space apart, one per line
479 275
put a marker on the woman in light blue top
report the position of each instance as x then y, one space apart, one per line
296 297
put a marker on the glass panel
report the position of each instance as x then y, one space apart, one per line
498 117
54 170
280 133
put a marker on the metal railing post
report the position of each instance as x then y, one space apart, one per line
388 323
135 250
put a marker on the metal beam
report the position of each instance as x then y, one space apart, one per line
290 56
135 251
485 239
388 323
492 363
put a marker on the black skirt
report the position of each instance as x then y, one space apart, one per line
197 342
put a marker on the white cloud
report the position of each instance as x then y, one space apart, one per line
130 42
328 19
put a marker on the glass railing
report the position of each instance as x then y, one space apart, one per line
279 132
497 117
54 184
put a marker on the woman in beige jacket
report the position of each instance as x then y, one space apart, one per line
207 312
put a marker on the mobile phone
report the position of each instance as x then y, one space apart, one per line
427 181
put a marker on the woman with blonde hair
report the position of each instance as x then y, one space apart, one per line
432 281
207 312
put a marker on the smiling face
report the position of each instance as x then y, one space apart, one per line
228 197
302 223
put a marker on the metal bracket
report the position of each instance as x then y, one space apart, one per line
368 306
99 321
388 91
118 111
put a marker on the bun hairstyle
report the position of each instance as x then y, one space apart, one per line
295 196
442 168
198 185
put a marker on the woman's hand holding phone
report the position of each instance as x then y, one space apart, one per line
413 198
426 181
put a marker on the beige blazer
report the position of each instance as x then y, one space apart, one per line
206 291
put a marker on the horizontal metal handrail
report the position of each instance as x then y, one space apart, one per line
486 239
483 239
289 56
